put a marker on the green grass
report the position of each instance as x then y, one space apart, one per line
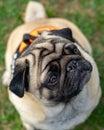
88 15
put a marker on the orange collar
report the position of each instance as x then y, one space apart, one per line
32 36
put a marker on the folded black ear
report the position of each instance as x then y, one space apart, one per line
20 80
65 32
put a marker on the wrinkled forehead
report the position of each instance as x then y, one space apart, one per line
47 48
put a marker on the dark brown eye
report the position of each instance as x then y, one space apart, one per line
73 49
53 79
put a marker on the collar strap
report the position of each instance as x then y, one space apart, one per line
29 38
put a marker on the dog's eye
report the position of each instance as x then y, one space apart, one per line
73 49
52 80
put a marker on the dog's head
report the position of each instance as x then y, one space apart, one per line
53 68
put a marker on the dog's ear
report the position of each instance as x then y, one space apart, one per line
65 32
20 81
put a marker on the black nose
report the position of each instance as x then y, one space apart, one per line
80 64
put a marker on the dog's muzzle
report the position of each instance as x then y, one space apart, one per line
80 65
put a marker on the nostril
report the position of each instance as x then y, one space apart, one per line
69 68
74 62
72 65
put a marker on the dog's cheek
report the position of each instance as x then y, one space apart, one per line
48 94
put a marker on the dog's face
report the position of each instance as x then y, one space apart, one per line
52 68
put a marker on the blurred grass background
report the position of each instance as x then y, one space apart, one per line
88 15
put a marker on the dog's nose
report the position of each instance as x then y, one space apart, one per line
80 64
72 65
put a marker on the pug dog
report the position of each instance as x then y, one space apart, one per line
52 78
